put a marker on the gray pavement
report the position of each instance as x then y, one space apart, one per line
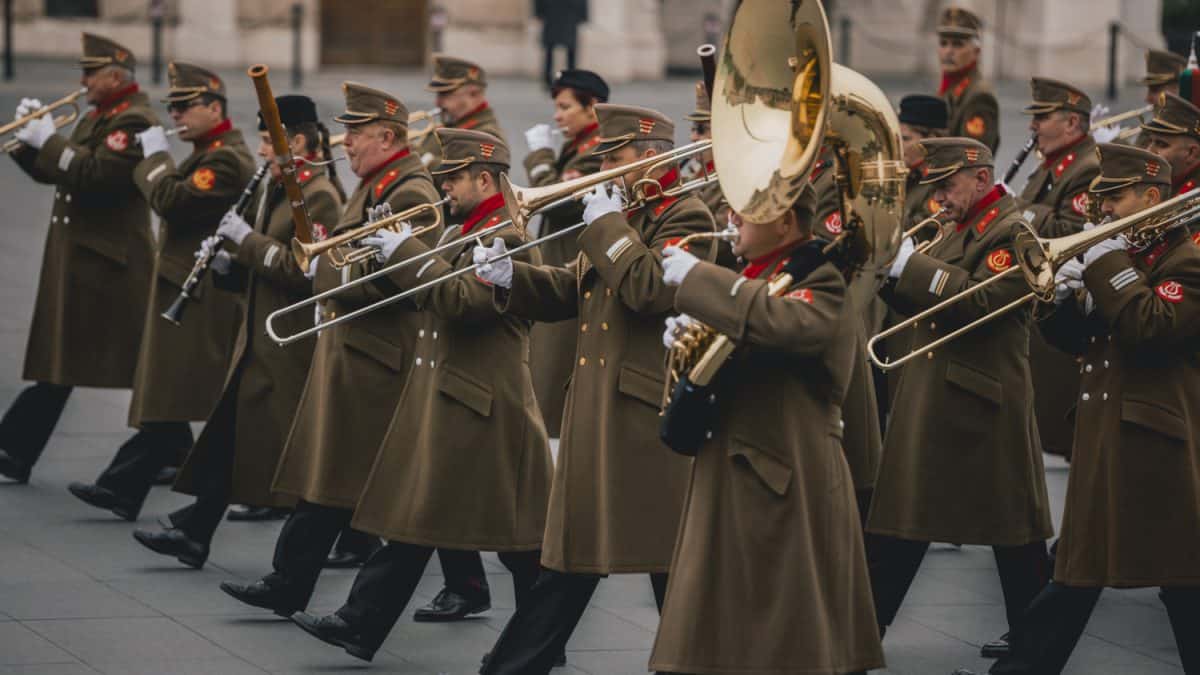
78 595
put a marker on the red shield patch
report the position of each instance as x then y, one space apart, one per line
1171 291
320 232
932 205
117 141
803 295
999 260
833 223
976 127
204 179
1196 237
1080 203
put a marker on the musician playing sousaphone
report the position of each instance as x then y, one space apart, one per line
1131 311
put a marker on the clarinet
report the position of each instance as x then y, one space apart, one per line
174 313
1020 159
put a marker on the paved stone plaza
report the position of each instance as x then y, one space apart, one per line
78 595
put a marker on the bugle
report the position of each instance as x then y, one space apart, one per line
306 252
60 121
934 221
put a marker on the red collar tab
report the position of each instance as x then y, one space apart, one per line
666 181
468 121
710 166
483 210
1066 154
1151 254
984 207
958 77
108 105
774 260
585 137
390 160
212 140
818 169
1183 183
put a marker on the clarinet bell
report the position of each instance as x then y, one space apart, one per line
174 313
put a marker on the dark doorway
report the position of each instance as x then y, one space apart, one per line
385 32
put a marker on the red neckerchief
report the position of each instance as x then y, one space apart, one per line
482 210
1181 182
952 77
214 133
115 99
756 267
466 122
973 212
1050 159
390 160
583 135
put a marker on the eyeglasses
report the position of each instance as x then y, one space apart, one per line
701 128
183 106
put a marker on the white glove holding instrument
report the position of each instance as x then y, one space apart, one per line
387 240
1067 280
600 202
36 132
153 140
676 265
907 248
234 228
675 327
492 271
221 262
26 106
539 137
1117 243
311 272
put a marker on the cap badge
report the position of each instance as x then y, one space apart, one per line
646 126
214 84
972 154
487 150
1151 168
473 73
1073 98
391 107
121 55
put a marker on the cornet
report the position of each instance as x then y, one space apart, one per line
306 252
60 121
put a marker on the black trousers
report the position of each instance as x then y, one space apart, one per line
1055 621
304 542
26 426
385 584
352 541
199 520
463 571
893 563
541 626
139 459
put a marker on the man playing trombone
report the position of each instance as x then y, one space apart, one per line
1131 310
961 459
617 494
98 259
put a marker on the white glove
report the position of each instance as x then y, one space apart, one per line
539 137
1107 134
1067 280
27 106
207 247
1099 112
36 132
907 248
676 265
310 274
492 271
601 203
675 327
233 227
387 241
222 262
1093 254
153 140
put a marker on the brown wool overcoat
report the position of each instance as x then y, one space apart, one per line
974 110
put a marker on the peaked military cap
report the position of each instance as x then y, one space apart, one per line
293 110
364 105
622 124
1174 116
1050 95
1125 165
1162 67
451 72
945 157
924 111
581 80
99 51
463 147
958 22
703 111
189 81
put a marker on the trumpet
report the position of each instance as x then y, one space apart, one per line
306 252
60 121
934 221
432 117
1039 259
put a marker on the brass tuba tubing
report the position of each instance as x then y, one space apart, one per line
60 121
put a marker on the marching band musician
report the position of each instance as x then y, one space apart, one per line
234 459
712 195
921 117
1174 135
971 471
358 368
1132 513
181 369
552 345
974 110
771 484
460 88
467 423
1162 74
98 258
618 491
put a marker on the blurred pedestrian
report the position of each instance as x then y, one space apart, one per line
560 28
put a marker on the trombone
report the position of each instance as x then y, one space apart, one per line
431 117
306 252
60 121
1039 258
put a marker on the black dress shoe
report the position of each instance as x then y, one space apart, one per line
265 595
996 648
103 498
451 606
11 467
256 513
166 475
963 671
334 630
174 542
345 559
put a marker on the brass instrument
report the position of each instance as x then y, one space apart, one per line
306 252
1039 259
934 221
1138 113
60 121
431 116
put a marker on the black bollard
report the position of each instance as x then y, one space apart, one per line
297 66
157 9
9 71
844 57
1114 33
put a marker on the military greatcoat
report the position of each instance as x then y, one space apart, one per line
770 512
242 441
552 345
974 110
961 458
1133 496
359 367
181 369
466 461
618 491
99 253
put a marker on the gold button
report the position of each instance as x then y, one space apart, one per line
583 327
932 325
929 356
583 360
587 295
601 361
604 326
608 292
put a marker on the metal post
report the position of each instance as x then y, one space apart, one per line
844 58
157 10
297 67
9 71
1114 33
